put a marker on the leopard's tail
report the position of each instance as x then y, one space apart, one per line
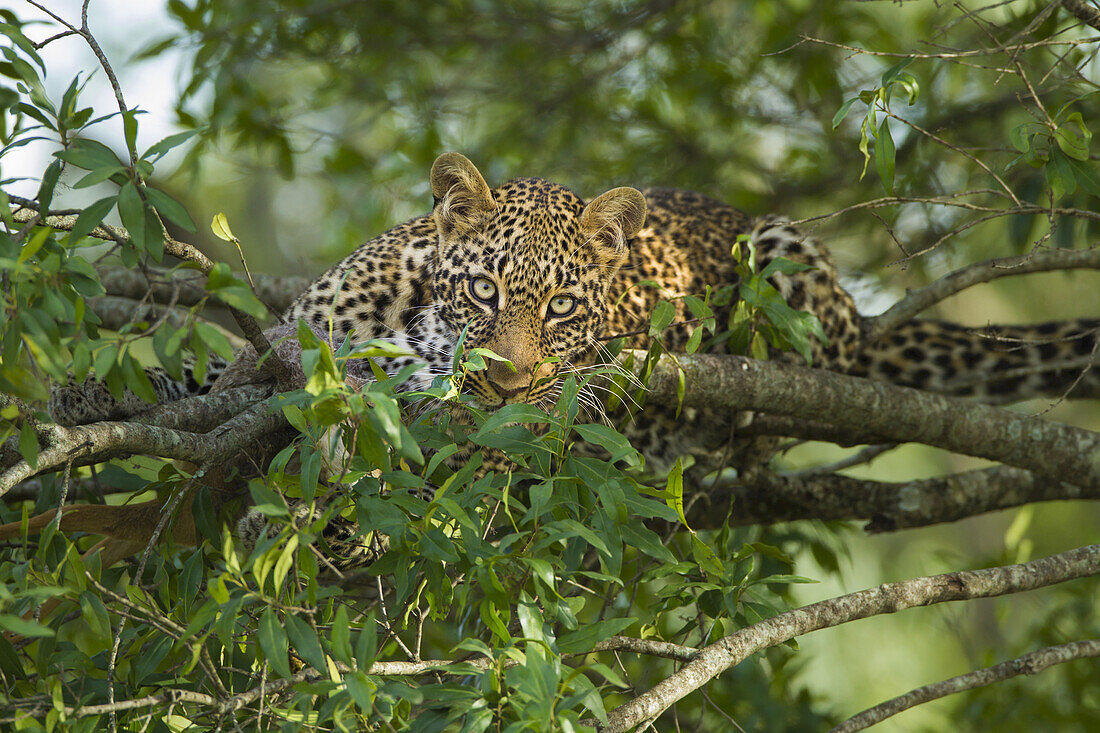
90 401
994 364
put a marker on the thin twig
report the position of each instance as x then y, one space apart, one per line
918 300
1032 663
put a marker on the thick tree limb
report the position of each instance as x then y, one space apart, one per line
81 488
1084 12
888 598
918 300
893 414
101 441
766 497
159 284
198 414
1032 663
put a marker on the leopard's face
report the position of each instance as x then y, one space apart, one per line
525 270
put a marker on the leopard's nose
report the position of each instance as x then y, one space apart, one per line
505 393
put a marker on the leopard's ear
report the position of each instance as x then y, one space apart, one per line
610 220
462 198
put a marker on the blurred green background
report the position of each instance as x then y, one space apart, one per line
319 121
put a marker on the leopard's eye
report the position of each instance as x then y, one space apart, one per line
562 305
484 290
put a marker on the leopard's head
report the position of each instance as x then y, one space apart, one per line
525 268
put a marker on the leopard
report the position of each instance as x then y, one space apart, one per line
543 279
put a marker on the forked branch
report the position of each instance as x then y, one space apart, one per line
888 598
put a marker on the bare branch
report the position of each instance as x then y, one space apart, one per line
918 300
888 598
1007 48
1032 663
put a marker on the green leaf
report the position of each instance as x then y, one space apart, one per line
104 360
894 71
91 217
909 83
783 266
610 440
646 540
1073 137
784 579
663 313
49 182
157 150
585 638
1060 174
361 690
366 645
884 156
131 209
137 381
341 637
35 243
25 44
23 627
169 208
28 445
268 502
843 111
234 292
94 615
674 491
518 413
1086 176
282 565
303 639
1019 137
89 155
708 562
273 642
130 127
215 340
99 175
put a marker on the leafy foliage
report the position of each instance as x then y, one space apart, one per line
511 578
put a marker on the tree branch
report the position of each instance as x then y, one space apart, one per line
1032 663
918 300
100 441
888 598
1084 12
82 488
891 413
159 284
765 497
